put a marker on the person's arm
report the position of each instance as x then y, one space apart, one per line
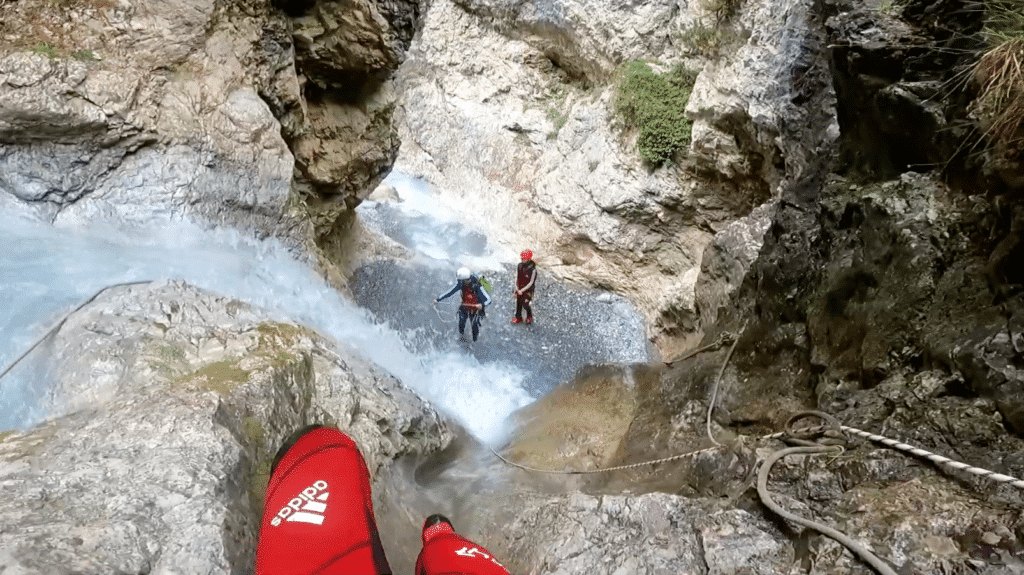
450 292
533 278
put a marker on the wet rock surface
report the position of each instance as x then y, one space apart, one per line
572 328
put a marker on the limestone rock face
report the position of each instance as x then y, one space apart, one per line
170 405
523 132
140 111
241 114
870 281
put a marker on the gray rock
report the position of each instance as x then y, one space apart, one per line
530 121
168 408
191 111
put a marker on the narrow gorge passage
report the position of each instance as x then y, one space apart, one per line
52 269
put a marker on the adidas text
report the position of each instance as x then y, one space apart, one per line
306 507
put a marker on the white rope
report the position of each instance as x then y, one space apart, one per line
938 459
437 310
59 323
604 469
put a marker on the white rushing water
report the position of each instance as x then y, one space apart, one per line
46 271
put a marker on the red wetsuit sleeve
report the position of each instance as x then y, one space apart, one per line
318 517
447 553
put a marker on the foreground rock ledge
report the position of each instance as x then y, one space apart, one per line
174 401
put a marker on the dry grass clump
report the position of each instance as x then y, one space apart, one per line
721 10
1000 103
1000 76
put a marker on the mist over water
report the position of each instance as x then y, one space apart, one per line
47 271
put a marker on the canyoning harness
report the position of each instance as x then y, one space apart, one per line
474 298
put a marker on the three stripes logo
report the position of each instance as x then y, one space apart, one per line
309 506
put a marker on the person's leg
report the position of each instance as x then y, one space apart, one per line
519 308
529 310
463 314
445 551
318 513
476 326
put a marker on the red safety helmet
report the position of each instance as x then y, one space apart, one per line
526 255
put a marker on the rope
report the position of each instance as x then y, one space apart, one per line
722 340
437 310
766 498
832 431
938 459
714 388
799 434
604 469
60 323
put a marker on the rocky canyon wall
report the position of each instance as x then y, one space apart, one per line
271 117
511 105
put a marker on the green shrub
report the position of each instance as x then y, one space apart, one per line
654 105
46 50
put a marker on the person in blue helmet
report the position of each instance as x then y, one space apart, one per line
474 301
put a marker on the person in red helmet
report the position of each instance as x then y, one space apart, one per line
448 553
318 516
526 282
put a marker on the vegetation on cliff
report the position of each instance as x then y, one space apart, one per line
654 105
1000 74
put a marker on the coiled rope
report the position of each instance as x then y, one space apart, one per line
832 436
63 319
766 498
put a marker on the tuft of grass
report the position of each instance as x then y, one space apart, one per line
1004 21
1000 102
654 105
891 8
84 55
558 117
1000 76
721 10
45 49
708 41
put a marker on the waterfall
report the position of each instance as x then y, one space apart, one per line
45 271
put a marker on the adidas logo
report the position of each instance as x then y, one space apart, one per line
306 507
